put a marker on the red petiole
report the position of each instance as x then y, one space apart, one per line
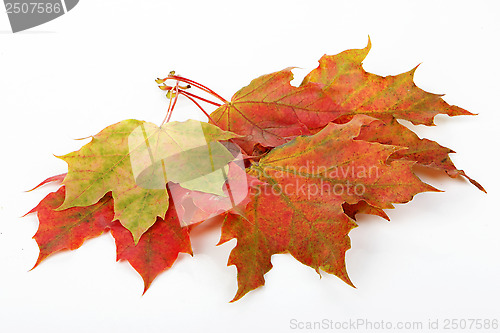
181 90
186 93
198 105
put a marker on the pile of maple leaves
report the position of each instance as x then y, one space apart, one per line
308 150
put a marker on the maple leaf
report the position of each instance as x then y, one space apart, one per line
170 153
300 210
116 158
359 92
157 249
68 229
270 111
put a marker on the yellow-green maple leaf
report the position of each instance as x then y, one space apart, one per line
112 162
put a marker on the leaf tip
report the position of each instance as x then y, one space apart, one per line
30 212
41 257
239 295
147 284
361 54
59 178
137 238
412 71
473 182
347 280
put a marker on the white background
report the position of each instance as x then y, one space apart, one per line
438 258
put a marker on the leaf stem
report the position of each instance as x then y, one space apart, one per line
198 105
186 93
176 90
196 84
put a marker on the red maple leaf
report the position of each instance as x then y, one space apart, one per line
157 249
299 209
344 80
270 111
68 229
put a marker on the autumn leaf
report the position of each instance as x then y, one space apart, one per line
170 153
68 229
103 165
300 210
157 249
356 91
270 111
117 156
316 237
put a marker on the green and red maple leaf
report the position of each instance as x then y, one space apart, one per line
315 155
